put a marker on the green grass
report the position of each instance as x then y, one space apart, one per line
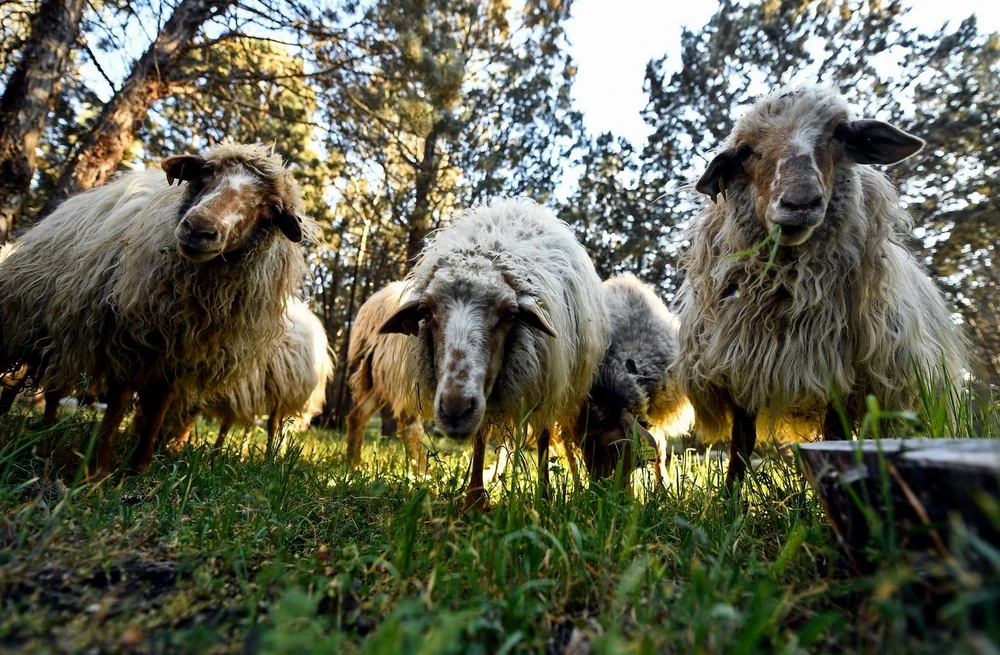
239 551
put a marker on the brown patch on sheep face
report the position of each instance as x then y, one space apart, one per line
790 169
229 207
788 149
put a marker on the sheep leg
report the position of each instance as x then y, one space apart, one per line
119 400
357 421
833 426
273 421
220 441
51 407
565 441
744 438
662 458
475 495
543 461
412 431
155 401
184 436
9 393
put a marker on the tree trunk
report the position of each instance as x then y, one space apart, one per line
30 94
426 179
101 150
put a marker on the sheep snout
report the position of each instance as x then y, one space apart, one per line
459 413
199 239
800 205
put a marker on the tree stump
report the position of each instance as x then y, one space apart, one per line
910 491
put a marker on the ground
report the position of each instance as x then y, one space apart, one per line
238 551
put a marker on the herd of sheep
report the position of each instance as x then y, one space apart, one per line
183 298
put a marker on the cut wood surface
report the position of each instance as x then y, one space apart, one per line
911 490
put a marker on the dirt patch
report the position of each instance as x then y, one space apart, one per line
133 581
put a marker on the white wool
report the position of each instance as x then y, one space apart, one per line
97 288
536 254
294 382
851 307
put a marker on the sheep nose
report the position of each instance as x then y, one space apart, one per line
458 407
456 414
200 232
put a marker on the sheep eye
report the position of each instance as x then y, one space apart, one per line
745 152
508 314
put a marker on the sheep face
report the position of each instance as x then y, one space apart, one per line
467 324
608 432
228 207
786 152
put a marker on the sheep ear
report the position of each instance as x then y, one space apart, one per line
185 168
406 319
632 426
290 225
720 171
875 142
531 315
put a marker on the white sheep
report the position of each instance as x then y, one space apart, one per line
293 385
506 310
845 309
380 375
157 289
634 390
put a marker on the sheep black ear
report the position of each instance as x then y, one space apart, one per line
185 168
531 315
719 172
406 319
290 225
875 142
630 425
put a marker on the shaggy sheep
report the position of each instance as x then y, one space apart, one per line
844 310
380 375
633 390
157 289
292 385
506 309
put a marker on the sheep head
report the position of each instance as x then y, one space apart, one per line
232 202
787 148
608 423
469 322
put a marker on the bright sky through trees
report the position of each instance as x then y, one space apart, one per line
612 42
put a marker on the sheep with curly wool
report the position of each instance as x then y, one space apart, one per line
158 289
634 392
380 375
293 385
844 310
505 308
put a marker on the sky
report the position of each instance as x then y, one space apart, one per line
612 41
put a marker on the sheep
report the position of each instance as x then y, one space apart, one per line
293 384
843 311
378 365
157 289
505 307
633 389
16 382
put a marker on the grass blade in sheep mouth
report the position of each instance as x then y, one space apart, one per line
774 237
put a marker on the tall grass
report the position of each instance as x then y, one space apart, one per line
241 550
